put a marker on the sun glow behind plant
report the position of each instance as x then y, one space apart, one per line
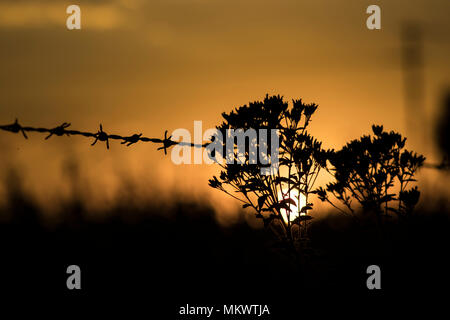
294 195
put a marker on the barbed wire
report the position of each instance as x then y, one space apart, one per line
100 135
444 165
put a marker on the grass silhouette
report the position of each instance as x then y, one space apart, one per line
168 253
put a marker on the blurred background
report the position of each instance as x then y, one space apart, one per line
148 66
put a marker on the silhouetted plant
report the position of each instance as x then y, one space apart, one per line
369 169
366 170
275 197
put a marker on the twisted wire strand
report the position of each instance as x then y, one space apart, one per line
100 135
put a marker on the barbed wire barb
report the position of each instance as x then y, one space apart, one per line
100 135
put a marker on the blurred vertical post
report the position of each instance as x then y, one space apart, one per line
414 87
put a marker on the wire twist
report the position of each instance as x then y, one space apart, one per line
100 135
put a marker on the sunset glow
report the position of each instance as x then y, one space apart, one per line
294 195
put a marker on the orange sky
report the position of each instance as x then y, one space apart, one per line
148 66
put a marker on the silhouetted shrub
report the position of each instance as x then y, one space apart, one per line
276 198
368 169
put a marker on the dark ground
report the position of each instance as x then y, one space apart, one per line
160 259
